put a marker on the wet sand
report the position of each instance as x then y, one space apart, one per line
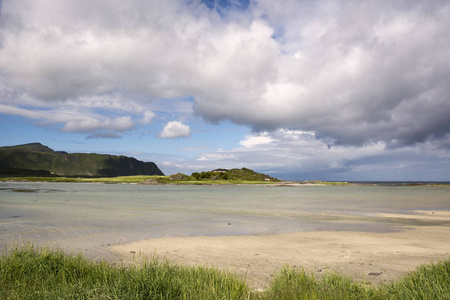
366 256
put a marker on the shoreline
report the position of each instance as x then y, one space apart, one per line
373 258
116 180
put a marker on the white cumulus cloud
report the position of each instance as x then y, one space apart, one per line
175 129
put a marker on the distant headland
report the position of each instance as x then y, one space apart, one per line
37 162
35 159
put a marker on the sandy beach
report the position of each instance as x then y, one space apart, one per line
370 257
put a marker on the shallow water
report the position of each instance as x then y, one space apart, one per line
90 217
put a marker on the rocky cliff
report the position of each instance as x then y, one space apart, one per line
36 156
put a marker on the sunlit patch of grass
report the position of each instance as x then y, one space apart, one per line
335 183
298 284
430 281
119 179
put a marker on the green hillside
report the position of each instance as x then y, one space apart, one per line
37 157
233 174
218 176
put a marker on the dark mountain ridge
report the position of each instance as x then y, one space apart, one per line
36 147
38 157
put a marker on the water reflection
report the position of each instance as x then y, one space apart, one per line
89 216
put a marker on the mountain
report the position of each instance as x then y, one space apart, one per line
37 157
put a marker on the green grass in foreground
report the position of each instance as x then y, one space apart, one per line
28 272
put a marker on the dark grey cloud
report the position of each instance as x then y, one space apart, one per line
353 72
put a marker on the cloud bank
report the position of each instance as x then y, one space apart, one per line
294 154
352 73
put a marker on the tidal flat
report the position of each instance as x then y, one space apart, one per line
247 229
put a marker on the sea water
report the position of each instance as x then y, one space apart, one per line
90 217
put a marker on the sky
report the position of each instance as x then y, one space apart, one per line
298 89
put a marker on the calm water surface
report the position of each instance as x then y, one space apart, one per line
91 217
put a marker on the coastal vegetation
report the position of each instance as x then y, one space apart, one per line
220 176
31 272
